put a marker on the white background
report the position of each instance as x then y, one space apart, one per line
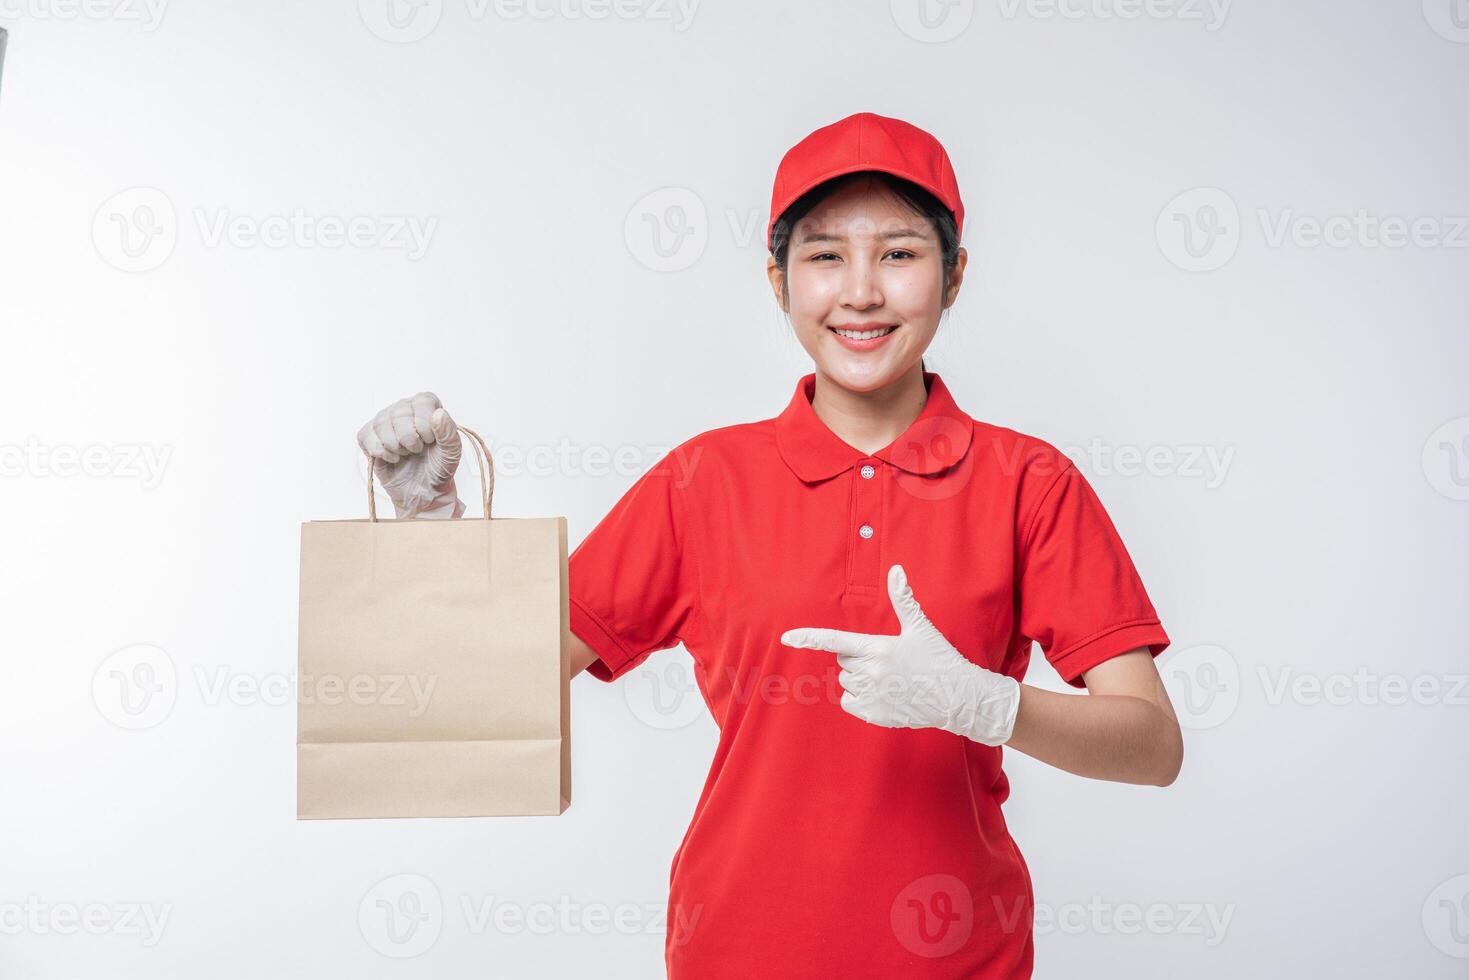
1309 833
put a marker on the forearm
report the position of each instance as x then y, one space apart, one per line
582 655
1116 737
449 507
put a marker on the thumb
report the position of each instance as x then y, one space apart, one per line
443 426
448 446
832 641
910 614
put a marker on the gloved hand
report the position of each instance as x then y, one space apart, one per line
417 448
915 679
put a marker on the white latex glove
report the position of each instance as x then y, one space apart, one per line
417 448
915 679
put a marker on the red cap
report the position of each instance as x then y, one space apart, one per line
865 141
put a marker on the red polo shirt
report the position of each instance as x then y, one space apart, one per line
822 845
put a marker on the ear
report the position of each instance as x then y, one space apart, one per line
777 281
956 277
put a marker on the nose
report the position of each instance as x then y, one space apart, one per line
860 287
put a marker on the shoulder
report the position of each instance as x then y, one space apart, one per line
1026 460
728 442
704 459
1030 472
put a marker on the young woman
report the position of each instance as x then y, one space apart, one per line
859 580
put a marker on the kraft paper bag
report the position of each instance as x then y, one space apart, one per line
434 665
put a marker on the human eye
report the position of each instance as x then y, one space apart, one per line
902 253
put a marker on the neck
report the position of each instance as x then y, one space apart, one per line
870 420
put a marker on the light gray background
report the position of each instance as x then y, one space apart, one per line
1309 832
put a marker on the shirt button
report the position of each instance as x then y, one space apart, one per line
867 472
865 530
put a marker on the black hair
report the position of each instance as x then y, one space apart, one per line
920 200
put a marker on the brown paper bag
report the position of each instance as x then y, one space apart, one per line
434 665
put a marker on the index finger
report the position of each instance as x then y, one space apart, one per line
820 638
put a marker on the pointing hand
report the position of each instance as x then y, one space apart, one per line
915 679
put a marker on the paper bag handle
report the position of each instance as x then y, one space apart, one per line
482 457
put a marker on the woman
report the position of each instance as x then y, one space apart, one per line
859 581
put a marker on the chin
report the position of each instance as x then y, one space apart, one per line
854 375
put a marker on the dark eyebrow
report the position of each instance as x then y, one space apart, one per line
821 236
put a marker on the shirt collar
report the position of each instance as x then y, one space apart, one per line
936 440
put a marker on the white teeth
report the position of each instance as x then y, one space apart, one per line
865 334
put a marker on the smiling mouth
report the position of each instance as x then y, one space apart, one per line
872 334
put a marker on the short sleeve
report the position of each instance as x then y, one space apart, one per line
632 580
1079 595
